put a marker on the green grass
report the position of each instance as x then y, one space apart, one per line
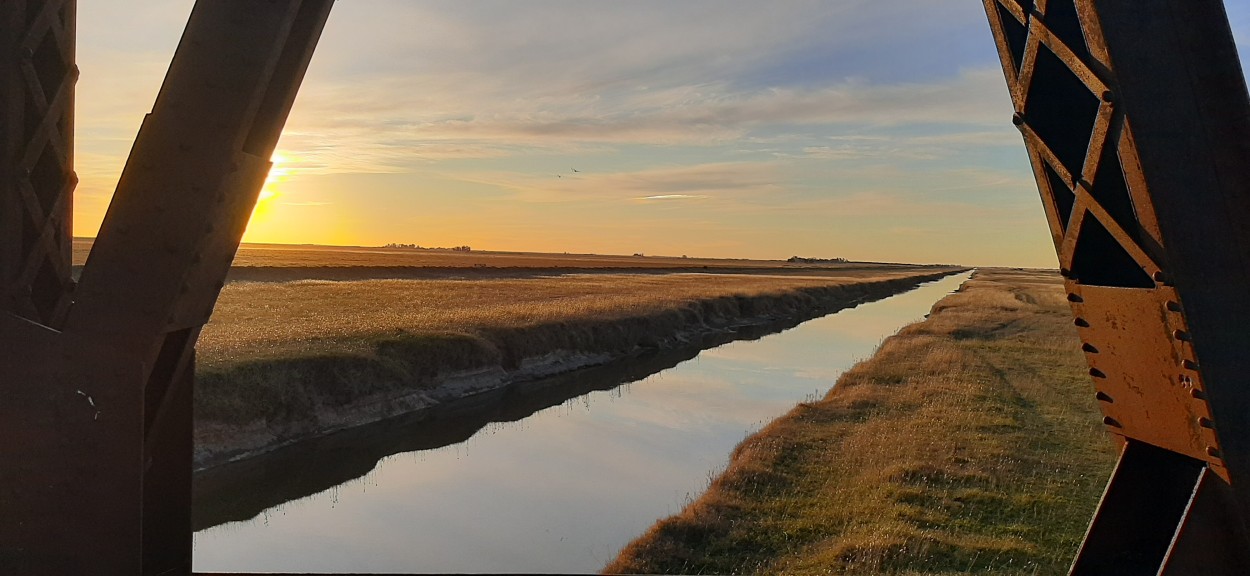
970 443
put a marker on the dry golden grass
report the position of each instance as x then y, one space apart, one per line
970 443
285 353
273 320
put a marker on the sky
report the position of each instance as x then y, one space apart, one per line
864 129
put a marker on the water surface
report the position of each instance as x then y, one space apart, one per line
564 489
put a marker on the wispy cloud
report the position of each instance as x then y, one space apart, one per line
733 129
675 197
721 181
386 130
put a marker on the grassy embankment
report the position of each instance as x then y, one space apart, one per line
970 443
283 361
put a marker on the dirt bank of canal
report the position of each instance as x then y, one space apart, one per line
245 407
969 443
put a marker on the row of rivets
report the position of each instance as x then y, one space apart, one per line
1181 336
1189 381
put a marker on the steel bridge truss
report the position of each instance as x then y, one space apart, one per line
1135 116
95 417
1137 123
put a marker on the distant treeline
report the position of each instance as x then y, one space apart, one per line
802 260
416 247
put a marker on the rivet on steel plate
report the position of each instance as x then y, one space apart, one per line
1075 298
1017 119
1159 277
1109 421
1206 423
1104 397
1181 335
1108 96
1096 373
1174 306
1080 322
1189 364
1089 348
1213 452
1198 394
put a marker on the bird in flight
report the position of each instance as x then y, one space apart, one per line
575 170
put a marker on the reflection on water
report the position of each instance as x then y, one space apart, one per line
559 491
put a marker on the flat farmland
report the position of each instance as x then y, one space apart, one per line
264 320
306 340
279 262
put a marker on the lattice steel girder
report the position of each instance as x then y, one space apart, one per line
1137 122
37 77
96 417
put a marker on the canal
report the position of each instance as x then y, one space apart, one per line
548 488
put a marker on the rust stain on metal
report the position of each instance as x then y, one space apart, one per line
1146 387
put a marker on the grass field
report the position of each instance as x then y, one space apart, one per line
281 351
970 443
267 320
293 359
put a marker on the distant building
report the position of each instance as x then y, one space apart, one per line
802 260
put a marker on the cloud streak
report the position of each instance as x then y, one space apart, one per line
664 197
386 131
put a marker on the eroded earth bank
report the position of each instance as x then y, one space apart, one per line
283 362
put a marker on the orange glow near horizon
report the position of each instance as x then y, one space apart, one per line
263 214
278 219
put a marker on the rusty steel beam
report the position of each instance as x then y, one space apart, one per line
1136 120
37 77
96 395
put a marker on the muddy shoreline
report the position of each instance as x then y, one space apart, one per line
526 356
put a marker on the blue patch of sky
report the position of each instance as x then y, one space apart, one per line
1239 19
930 46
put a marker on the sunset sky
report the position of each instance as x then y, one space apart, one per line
865 129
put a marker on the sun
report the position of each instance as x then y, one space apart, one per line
271 189
277 174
